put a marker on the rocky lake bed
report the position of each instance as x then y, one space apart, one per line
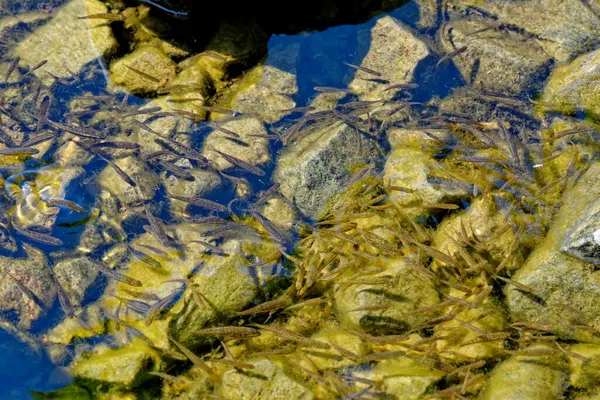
391 201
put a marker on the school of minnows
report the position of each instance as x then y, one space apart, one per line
338 252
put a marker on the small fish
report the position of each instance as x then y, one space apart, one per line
167 377
118 145
19 151
119 171
228 331
203 203
154 263
269 227
157 227
43 112
107 16
266 195
11 68
365 69
193 357
454 53
224 130
27 291
157 154
38 237
138 306
294 336
402 86
78 130
213 249
187 152
143 74
298 109
217 110
327 89
65 203
63 299
117 276
162 304
214 55
267 137
36 67
240 163
176 170
269 306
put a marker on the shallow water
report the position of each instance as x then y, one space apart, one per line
527 187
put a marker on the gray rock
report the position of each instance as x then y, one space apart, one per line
106 228
76 276
33 273
316 167
395 52
204 183
85 40
495 60
564 28
583 237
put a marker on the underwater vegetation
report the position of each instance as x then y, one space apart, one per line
406 209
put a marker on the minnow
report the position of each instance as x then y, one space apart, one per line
269 227
167 377
170 353
269 306
36 67
201 202
11 68
189 114
65 203
275 352
237 332
294 336
364 69
27 291
37 236
468 367
140 295
235 363
39 138
154 263
267 137
157 227
136 305
157 154
197 361
42 112
454 53
399 189
143 111
488 337
118 145
107 16
266 195
176 170
298 109
567 132
359 103
143 74
214 55
370 308
161 304
441 206
19 151
341 236
327 89
117 276
224 130
63 299
217 110
395 110
188 152
240 163
213 249
118 170
402 86
78 130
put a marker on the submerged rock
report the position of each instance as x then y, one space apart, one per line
266 381
495 60
528 377
585 372
318 165
583 237
155 68
85 40
76 276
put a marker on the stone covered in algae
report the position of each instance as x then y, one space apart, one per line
330 358
153 70
252 149
528 377
76 276
575 86
498 60
266 381
317 166
585 365
279 213
382 306
124 367
566 290
32 272
85 39
394 52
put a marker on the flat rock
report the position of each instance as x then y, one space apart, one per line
497 60
67 41
157 70
76 276
316 167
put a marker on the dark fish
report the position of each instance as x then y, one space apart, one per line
269 227
117 276
402 86
154 263
27 291
154 249
210 247
11 68
292 132
58 79
214 55
266 195
42 112
327 89
65 203
136 305
365 69
119 171
157 227
37 236
78 130
63 299
39 138
162 304
107 16
157 154
240 163
151 110
143 74
359 103
118 145
224 130
217 110
454 53
268 137
93 98
36 67
200 202
19 151
179 172
298 109
187 152
512 146
7 241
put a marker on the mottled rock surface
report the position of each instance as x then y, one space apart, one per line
76 276
156 68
